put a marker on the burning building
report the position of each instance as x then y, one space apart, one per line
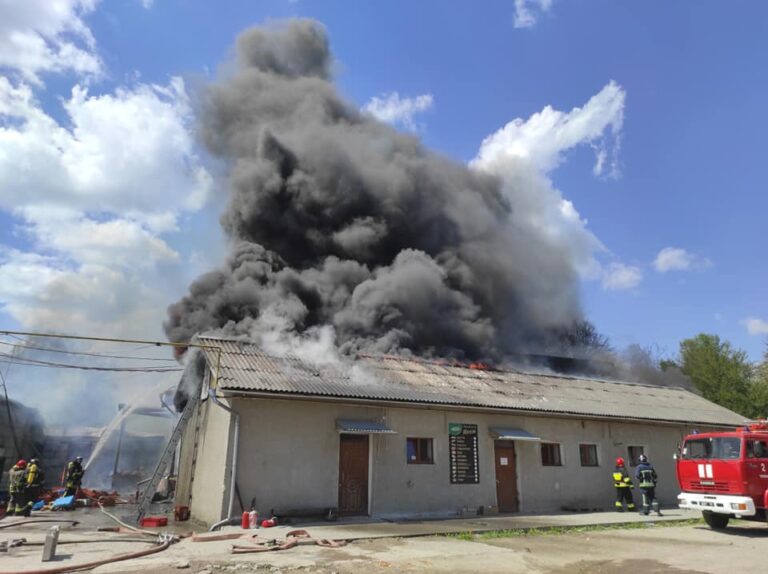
21 435
393 437
365 272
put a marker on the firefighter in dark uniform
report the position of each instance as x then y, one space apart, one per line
74 476
646 477
18 487
35 479
623 484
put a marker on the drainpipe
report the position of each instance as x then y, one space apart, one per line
235 440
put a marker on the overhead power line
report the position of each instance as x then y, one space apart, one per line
23 346
16 360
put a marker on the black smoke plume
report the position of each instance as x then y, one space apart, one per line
337 220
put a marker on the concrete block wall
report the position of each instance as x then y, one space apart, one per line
289 457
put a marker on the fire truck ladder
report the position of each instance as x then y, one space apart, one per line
170 450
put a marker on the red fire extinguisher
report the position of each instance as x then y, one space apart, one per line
268 523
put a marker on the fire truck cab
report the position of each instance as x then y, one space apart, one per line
725 474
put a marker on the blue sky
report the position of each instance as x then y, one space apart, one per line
690 149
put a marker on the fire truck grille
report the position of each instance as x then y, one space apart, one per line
709 486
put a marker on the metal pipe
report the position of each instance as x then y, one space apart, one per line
226 522
235 441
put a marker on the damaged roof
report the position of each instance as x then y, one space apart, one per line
244 367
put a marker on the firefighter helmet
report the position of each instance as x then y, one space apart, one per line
79 458
619 461
22 463
34 461
642 458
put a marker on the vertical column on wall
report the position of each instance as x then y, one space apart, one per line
188 453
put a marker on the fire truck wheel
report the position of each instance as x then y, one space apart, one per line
716 521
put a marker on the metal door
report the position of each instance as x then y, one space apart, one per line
506 476
353 474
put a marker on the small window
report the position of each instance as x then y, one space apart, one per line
419 450
634 453
588 453
550 454
755 449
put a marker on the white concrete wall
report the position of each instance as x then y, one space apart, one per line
210 484
289 456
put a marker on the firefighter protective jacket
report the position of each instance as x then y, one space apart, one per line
646 475
74 473
17 479
620 478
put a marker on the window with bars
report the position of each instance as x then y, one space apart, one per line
588 454
419 451
633 453
550 454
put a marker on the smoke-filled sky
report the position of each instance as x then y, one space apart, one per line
625 141
339 220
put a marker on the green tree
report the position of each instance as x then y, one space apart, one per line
722 373
759 391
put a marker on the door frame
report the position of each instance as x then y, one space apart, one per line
515 445
370 469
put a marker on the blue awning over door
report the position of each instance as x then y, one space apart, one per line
363 427
509 433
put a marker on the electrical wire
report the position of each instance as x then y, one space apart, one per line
83 353
11 360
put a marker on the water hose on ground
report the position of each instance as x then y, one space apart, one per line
90 565
126 525
292 539
37 521
88 541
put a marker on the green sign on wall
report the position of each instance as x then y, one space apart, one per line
462 450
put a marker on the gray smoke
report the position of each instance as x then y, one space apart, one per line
339 220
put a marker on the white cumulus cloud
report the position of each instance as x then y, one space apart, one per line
543 139
527 12
678 259
621 277
398 111
756 326
38 36
95 196
525 151
129 150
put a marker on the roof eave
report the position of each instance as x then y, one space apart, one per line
245 393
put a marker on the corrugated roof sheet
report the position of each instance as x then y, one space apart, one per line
245 367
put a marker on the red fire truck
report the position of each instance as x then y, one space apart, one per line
725 474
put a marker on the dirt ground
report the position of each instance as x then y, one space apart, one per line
652 550
638 548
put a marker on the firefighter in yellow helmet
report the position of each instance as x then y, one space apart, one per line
35 479
623 484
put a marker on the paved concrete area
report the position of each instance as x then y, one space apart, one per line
365 529
652 545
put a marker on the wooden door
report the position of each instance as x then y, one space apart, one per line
506 476
353 474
